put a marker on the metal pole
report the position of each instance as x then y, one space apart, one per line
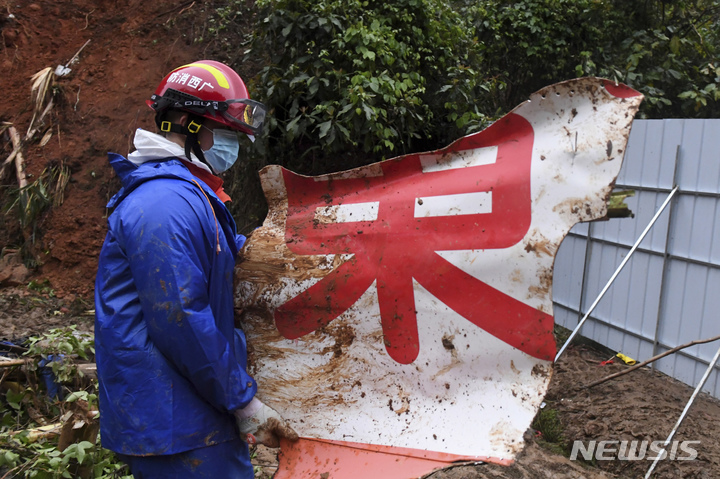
666 268
617 271
586 268
682 416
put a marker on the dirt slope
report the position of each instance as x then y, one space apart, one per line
132 45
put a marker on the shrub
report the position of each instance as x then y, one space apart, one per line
380 78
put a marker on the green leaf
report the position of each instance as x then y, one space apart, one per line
313 88
299 79
369 112
675 45
80 453
74 396
10 458
292 127
324 128
346 109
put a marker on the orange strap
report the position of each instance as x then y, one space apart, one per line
217 229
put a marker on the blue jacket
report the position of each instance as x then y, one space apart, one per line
171 365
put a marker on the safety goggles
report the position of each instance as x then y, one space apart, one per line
242 114
247 113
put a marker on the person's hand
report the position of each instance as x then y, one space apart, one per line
261 424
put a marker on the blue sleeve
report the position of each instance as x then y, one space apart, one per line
170 260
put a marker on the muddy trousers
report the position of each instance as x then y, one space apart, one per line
229 460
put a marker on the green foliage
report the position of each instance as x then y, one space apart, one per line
42 459
25 407
30 203
550 428
232 14
64 344
46 461
616 204
380 78
666 50
42 287
561 335
349 82
387 78
548 423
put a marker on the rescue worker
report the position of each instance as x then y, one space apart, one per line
175 398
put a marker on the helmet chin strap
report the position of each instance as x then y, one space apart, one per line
192 144
191 136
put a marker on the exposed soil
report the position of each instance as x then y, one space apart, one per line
97 107
133 43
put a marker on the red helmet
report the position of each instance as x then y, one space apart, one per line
211 90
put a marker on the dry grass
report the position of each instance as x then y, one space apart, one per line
41 96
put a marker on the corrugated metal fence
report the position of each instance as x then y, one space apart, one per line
669 292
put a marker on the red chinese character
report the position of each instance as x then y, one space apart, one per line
397 246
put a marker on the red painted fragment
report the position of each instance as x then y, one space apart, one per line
310 457
397 247
619 90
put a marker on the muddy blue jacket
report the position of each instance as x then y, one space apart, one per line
171 365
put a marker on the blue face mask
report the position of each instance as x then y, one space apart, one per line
224 152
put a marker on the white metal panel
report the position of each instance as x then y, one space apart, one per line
690 306
603 262
714 255
671 137
463 369
632 172
565 317
580 229
651 153
695 227
692 141
708 166
702 227
710 315
644 204
672 301
686 326
642 295
567 282
683 228
651 279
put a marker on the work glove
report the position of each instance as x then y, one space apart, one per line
261 424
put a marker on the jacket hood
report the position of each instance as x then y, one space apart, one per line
131 175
